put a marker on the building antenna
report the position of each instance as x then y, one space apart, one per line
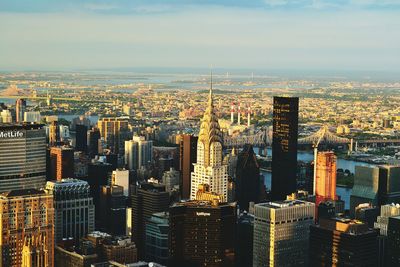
211 81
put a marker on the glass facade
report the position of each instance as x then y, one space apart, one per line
22 156
284 146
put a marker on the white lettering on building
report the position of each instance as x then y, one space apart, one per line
203 214
11 134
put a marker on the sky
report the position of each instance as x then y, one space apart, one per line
245 34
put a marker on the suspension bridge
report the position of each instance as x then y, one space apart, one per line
323 136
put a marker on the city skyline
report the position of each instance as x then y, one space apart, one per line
274 34
193 133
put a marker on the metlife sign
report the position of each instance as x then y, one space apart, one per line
11 134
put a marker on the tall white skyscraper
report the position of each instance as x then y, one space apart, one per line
138 152
209 168
281 233
121 177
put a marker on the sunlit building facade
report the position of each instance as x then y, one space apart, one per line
62 162
281 233
111 130
209 168
325 177
26 228
138 152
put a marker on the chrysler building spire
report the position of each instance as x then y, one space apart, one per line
210 131
209 168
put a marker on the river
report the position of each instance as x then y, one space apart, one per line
93 118
344 164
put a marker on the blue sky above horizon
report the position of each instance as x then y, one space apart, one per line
251 34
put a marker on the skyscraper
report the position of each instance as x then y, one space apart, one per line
74 208
393 248
54 133
342 242
325 177
62 162
113 209
209 168
157 245
94 136
98 174
171 180
377 185
5 116
149 198
244 240
32 116
281 233
81 138
20 107
121 177
26 228
284 146
248 182
138 152
389 210
188 153
201 234
22 156
111 129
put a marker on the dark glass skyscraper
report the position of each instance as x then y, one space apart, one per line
244 240
188 154
201 234
393 241
81 138
248 178
113 209
284 146
148 199
62 162
94 136
342 242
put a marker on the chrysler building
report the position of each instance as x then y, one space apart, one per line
209 168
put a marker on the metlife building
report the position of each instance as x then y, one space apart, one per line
22 156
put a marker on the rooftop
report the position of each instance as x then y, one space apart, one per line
20 126
284 204
200 204
22 192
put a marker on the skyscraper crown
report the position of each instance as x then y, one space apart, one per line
210 131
